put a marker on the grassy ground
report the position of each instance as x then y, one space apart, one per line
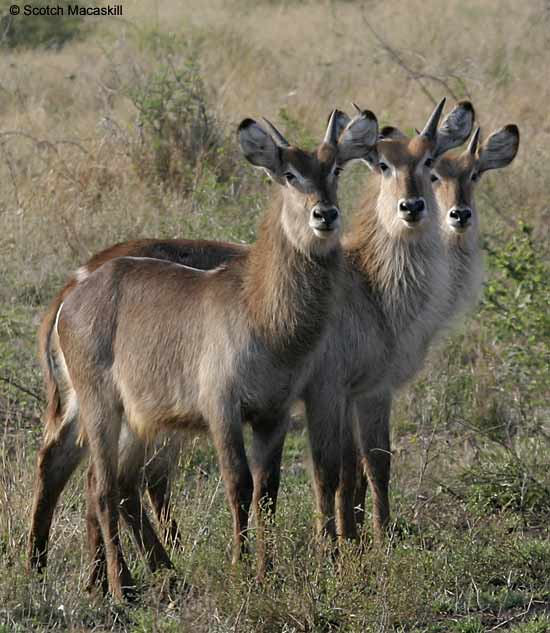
127 130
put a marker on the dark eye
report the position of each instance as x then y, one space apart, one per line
475 176
429 163
338 170
383 166
434 177
290 177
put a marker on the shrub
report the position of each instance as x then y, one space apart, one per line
506 482
179 130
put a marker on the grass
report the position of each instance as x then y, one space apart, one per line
125 128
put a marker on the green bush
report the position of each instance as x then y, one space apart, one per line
179 130
506 482
516 307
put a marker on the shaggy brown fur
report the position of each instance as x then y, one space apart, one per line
108 361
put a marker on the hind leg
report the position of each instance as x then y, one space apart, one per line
159 469
57 460
131 472
96 547
159 490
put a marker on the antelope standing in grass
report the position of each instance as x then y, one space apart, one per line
396 276
61 453
454 180
172 347
410 173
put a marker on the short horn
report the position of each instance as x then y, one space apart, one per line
331 135
430 129
359 111
277 136
474 141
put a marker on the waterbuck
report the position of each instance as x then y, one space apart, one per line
397 283
452 132
173 347
454 180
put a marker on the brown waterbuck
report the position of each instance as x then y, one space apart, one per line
172 347
397 286
453 131
454 180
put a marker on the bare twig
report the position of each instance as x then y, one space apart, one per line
413 74
515 617
10 381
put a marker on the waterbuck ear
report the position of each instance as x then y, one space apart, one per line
499 149
455 128
341 120
359 137
258 146
392 133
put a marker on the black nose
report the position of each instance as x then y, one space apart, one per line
462 215
327 216
412 207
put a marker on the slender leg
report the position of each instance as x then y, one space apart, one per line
158 475
268 438
373 435
131 470
57 460
98 572
228 438
361 486
102 421
345 495
324 412
159 490
146 538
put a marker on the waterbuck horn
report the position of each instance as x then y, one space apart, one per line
430 129
276 135
359 111
331 135
472 145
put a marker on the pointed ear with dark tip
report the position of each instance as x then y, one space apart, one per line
359 137
392 133
455 128
499 149
258 146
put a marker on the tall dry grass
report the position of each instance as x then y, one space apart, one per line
79 170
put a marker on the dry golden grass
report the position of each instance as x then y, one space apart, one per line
76 176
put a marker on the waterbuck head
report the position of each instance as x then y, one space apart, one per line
310 211
403 164
454 179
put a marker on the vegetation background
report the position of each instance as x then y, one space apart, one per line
113 129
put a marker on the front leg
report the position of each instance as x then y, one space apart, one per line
268 438
325 407
345 495
228 439
373 437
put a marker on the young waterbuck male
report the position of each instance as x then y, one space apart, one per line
397 283
61 452
454 180
172 347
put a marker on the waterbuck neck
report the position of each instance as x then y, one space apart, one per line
289 290
466 267
401 274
